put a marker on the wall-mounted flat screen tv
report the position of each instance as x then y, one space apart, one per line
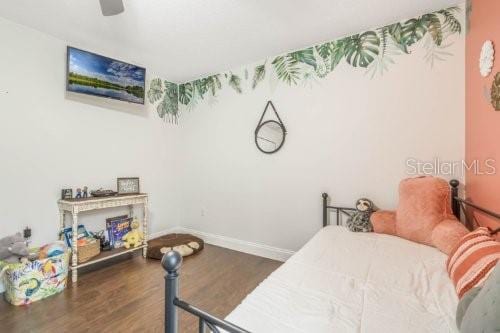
93 74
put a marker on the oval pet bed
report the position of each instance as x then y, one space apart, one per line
185 244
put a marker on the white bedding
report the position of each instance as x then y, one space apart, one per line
353 282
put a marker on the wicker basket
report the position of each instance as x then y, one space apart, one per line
88 251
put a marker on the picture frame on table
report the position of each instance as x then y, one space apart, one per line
66 193
128 185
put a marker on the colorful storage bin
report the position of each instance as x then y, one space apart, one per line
29 282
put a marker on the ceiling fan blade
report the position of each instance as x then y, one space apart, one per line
111 7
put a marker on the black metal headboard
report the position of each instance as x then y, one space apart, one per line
346 211
339 211
458 206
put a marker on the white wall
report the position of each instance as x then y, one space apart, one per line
50 141
348 135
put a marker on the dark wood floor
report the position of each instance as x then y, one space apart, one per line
128 296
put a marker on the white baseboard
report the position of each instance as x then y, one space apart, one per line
257 249
163 232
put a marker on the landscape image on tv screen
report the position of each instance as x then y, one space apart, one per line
93 74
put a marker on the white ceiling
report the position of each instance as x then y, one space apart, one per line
186 39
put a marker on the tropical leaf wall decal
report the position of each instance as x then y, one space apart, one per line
170 102
185 93
434 27
165 96
396 33
361 50
371 50
235 83
259 75
451 23
287 69
305 56
213 83
413 31
468 13
155 91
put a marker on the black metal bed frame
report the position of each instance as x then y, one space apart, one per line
346 211
172 261
458 206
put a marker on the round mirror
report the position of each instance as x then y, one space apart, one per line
270 136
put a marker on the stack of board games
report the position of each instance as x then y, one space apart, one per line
118 227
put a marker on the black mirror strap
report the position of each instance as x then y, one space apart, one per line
270 103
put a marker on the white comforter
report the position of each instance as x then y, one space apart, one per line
353 282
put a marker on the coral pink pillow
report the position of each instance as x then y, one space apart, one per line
424 202
447 234
384 222
423 215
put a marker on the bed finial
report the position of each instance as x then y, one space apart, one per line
325 206
171 261
455 205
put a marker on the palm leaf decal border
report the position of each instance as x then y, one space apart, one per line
365 50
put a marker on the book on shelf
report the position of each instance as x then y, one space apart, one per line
117 227
81 234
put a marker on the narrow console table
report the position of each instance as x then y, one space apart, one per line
76 206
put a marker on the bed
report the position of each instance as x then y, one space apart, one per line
354 282
341 281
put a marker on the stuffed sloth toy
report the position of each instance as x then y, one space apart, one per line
359 221
423 214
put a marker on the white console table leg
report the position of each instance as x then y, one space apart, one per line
131 211
145 229
74 249
61 222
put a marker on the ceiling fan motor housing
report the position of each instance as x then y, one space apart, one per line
111 7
